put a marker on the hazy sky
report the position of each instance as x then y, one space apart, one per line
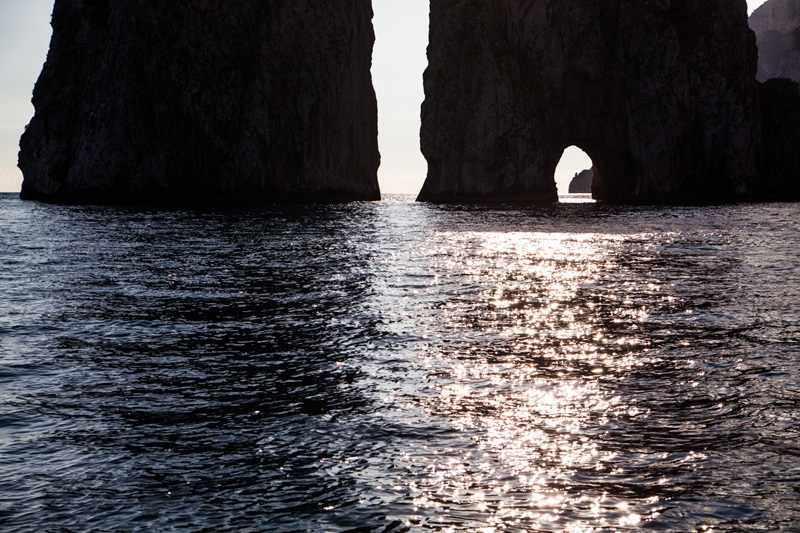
401 28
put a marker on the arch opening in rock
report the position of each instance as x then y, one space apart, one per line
573 173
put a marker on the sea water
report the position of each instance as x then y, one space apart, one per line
398 366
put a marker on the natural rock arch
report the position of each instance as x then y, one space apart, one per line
661 95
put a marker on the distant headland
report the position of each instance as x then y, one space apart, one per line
582 182
273 101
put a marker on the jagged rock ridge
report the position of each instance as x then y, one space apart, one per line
776 24
661 95
247 99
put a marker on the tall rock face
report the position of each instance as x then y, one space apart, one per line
660 94
151 100
779 155
777 27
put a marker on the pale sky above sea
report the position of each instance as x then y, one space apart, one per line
401 28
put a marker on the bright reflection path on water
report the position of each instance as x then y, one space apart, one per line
518 347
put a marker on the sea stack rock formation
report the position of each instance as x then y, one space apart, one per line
146 100
777 27
660 94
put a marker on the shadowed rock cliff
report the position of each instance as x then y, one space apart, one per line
661 95
147 100
777 27
779 155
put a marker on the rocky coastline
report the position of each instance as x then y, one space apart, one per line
273 102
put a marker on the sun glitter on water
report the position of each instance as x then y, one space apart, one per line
527 398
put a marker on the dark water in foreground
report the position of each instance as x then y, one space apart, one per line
399 367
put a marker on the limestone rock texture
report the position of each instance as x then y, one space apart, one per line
777 27
582 182
254 100
661 94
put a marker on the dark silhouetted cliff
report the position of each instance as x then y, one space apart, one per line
146 100
779 156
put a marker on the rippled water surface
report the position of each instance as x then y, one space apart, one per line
394 366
